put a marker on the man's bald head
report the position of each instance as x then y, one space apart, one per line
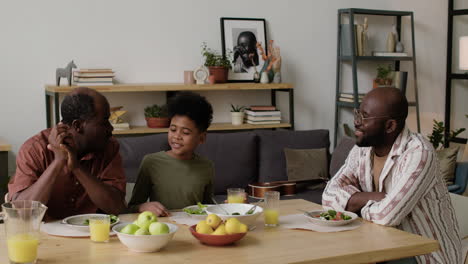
388 101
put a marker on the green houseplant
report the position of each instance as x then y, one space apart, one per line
237 114
383 75
437 137
218 65
156 116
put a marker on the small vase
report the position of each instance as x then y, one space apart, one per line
264 78
399 47
277 77
237 118
390 42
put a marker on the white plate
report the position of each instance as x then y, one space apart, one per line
56 228
77 221
315 220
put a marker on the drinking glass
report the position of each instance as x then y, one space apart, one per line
271 208
99 228
22 224
235 195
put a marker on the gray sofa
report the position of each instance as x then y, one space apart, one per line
239 158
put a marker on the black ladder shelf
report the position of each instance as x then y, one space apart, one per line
449 75
354 59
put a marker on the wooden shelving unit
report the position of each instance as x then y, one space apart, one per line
52 93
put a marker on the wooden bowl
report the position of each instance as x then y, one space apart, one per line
216 240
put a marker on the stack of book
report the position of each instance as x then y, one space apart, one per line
349 97
262 115
86 77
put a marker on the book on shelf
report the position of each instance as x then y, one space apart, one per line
121 126
97 79
95 70
389 54
351 95
269 122
263 118
262 108
350 100
92 74
93 83
263 113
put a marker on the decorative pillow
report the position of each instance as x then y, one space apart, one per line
448 161
306 164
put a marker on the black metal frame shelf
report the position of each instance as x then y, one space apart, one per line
449 75
354 59
377 58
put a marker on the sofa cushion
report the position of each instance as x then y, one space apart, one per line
235 159
306 164
272 162
448 160
133 149
340 154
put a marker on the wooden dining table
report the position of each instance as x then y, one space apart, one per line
368 243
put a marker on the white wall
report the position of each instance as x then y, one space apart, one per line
155 41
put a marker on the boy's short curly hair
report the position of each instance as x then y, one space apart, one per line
192 105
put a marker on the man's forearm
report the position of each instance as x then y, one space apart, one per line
105 197
42 188
360 199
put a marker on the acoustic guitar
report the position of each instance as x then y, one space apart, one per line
258 189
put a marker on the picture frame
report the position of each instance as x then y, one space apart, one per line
239 36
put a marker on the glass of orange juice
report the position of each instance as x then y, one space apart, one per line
235 195
99 228
271 208
22 224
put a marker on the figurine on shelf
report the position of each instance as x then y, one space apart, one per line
65 73
272 64
391 40
116 118
365 38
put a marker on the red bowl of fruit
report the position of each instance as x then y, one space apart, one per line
216 240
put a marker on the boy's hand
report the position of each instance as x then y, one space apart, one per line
156 207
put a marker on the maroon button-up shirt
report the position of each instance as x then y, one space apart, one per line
68 196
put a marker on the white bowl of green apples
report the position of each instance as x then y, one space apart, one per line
146 234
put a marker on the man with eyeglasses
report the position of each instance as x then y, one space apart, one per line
392 177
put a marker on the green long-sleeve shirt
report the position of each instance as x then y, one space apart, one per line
172 182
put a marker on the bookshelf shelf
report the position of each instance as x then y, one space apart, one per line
52 93
213 127
377 58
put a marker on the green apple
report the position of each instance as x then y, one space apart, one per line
145 219
129 229
158 228
142 231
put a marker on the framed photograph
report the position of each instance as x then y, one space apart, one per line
239 38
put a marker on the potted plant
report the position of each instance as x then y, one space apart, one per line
383 76
156 116
218 65
237 114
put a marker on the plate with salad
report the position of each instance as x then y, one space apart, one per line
197 211
330 217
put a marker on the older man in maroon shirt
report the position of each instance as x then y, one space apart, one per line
74 167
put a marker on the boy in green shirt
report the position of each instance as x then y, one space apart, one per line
177 178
